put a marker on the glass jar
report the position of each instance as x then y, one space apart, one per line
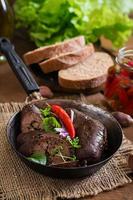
119 83
6 21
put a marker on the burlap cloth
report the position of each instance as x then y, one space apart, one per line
18 182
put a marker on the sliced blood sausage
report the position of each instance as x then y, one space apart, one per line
50 144
31 118
92 136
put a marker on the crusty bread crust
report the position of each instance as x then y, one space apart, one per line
90 73
46 52
66 60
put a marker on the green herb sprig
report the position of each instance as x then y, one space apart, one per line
74 142
46 112
58 152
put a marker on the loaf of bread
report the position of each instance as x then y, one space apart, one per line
89 73
66 60
47 52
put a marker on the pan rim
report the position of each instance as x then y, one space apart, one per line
65 168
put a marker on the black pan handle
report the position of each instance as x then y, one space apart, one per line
18 66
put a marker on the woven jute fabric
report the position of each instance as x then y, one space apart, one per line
18 182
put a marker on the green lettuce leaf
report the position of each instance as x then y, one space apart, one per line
49 21
50 123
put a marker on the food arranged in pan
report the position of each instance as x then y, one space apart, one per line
67 137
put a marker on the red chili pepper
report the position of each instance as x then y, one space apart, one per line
125 82
110 90
130 91
130 63
124 73
122 97
129 108
110 79
62 114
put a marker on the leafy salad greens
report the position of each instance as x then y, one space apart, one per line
51 124
49 21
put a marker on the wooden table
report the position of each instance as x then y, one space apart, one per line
11 90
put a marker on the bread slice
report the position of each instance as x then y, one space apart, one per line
66 60
46 52
90 73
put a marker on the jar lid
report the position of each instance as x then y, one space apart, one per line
125 58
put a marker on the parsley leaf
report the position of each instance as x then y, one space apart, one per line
46 112
50 123
75 142
38 158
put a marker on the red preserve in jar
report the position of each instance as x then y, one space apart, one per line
119 84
